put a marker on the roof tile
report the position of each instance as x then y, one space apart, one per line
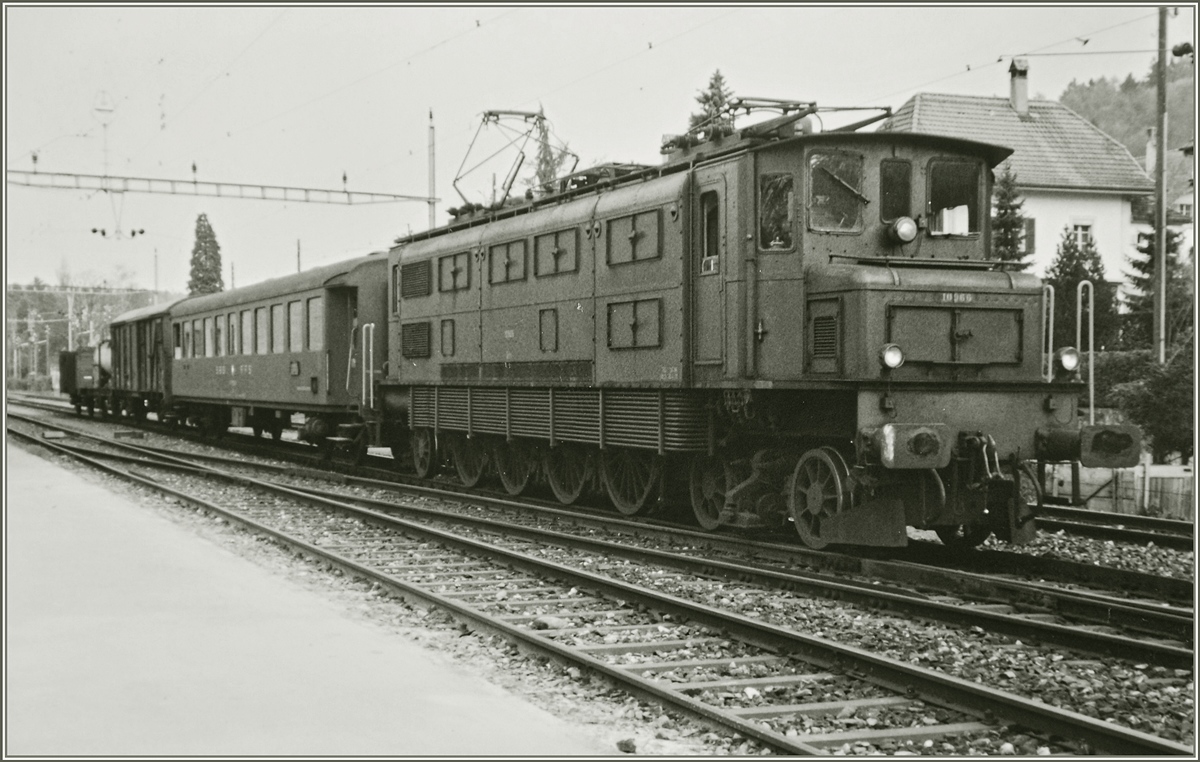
1053 146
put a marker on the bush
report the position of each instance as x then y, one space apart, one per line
1115 369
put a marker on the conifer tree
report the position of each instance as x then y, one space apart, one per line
713 118
1074 263
1137 324
206 260
1008 223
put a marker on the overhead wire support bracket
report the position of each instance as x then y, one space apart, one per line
111 184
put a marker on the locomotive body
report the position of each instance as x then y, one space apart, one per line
774 327
802 329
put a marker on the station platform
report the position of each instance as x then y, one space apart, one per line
126 635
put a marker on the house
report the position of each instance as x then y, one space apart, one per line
1071 174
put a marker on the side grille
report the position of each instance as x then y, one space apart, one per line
414 339
824 339
415 279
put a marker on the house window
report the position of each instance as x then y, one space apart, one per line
1028 237
1082 233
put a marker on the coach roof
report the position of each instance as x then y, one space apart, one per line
141 313
317 277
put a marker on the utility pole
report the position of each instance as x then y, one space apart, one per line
432 199
1160 198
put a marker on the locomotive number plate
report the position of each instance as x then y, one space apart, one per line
957 298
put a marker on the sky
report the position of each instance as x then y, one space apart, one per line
301 96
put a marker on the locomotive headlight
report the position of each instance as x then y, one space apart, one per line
1067 359
891 356
903 230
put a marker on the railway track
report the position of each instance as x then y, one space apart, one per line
1146 630
681 656
1119 527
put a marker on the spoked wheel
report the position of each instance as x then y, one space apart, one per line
817 493
425 456
516 462
630 477
707 483
470 458
568 469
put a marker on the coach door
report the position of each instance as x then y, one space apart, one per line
709 264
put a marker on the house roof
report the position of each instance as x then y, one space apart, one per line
1054 148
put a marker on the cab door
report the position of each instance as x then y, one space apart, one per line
709 267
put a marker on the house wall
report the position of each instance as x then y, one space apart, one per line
1109 215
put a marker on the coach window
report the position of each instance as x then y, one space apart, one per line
232 334
836 199
220 337
278 330
247 332
208 337
895 189
316 324
953 197
178 342
295 327
197 338
262 332
775 203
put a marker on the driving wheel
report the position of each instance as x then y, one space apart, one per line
470 458
817 493
630 477
516 463
568 469
424 452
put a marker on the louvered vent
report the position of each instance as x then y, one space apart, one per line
824 340
414 339
415 279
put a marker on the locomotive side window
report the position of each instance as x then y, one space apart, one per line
506 262
555 253
278 330
634 238
953 197
775 200
295 327
835 199
262 331
247 332
454 272
895 189
710 210
316 324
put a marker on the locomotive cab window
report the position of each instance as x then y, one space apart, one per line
895 190
835 200
953 198
775 204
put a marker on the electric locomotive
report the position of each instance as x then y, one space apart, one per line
785 326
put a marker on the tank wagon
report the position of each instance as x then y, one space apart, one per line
786 327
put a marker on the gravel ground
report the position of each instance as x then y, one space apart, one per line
1151 559
1150 699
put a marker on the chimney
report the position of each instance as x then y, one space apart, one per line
1019 90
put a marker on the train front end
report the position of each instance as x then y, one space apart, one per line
955 392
